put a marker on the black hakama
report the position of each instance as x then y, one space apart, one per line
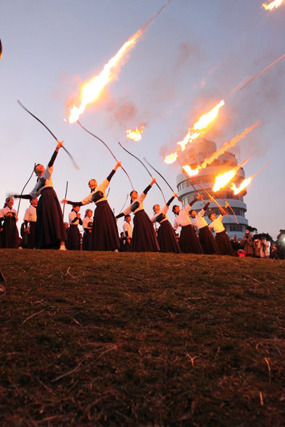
189 242
10 234
105 236
50 227
126 246
144 238
32 236
73 238
24 235
167 239
207 241
87 240
224 244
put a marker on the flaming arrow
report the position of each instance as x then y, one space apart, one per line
209 195
90 91
139 160
108 148
52 134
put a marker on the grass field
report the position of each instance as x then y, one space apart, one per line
141 339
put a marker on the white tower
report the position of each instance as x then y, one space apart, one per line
187 189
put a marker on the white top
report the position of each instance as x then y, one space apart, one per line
182 219
86 222
264 249
71 217
217 225
48 182
127 227
7 212
31 214
101 187
140 200
199 221
164 210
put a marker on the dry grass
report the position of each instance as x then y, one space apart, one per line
141 339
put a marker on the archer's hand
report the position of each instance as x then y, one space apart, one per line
118 165
153 181
198 196
227 205
64 201
59 145
175 194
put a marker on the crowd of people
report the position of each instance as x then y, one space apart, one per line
43 225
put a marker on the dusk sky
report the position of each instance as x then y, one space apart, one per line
192 56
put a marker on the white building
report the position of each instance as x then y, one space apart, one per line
187 189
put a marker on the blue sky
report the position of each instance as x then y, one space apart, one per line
49 48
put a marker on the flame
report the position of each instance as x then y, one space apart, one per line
201 124
242 186
195 131
246 182
223 179
273 4
227 145
206 119
171 158
135 134
190 171
90 91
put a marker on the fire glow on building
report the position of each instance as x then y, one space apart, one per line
187 189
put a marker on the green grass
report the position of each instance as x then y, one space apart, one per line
141 339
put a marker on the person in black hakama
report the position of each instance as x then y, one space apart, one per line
144 238
127 235
87 226
105 236
188 240
73 234
30 221
206 237
10 233
50 228
165 235
222 239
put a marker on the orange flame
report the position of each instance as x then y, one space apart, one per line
227 145
242 186
195 131
91 90
171 158
190 172
206 119
223 179
135 134
245 182
273 5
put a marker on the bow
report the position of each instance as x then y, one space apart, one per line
108 148
159 174
139 160
52 134
23 189
66 188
